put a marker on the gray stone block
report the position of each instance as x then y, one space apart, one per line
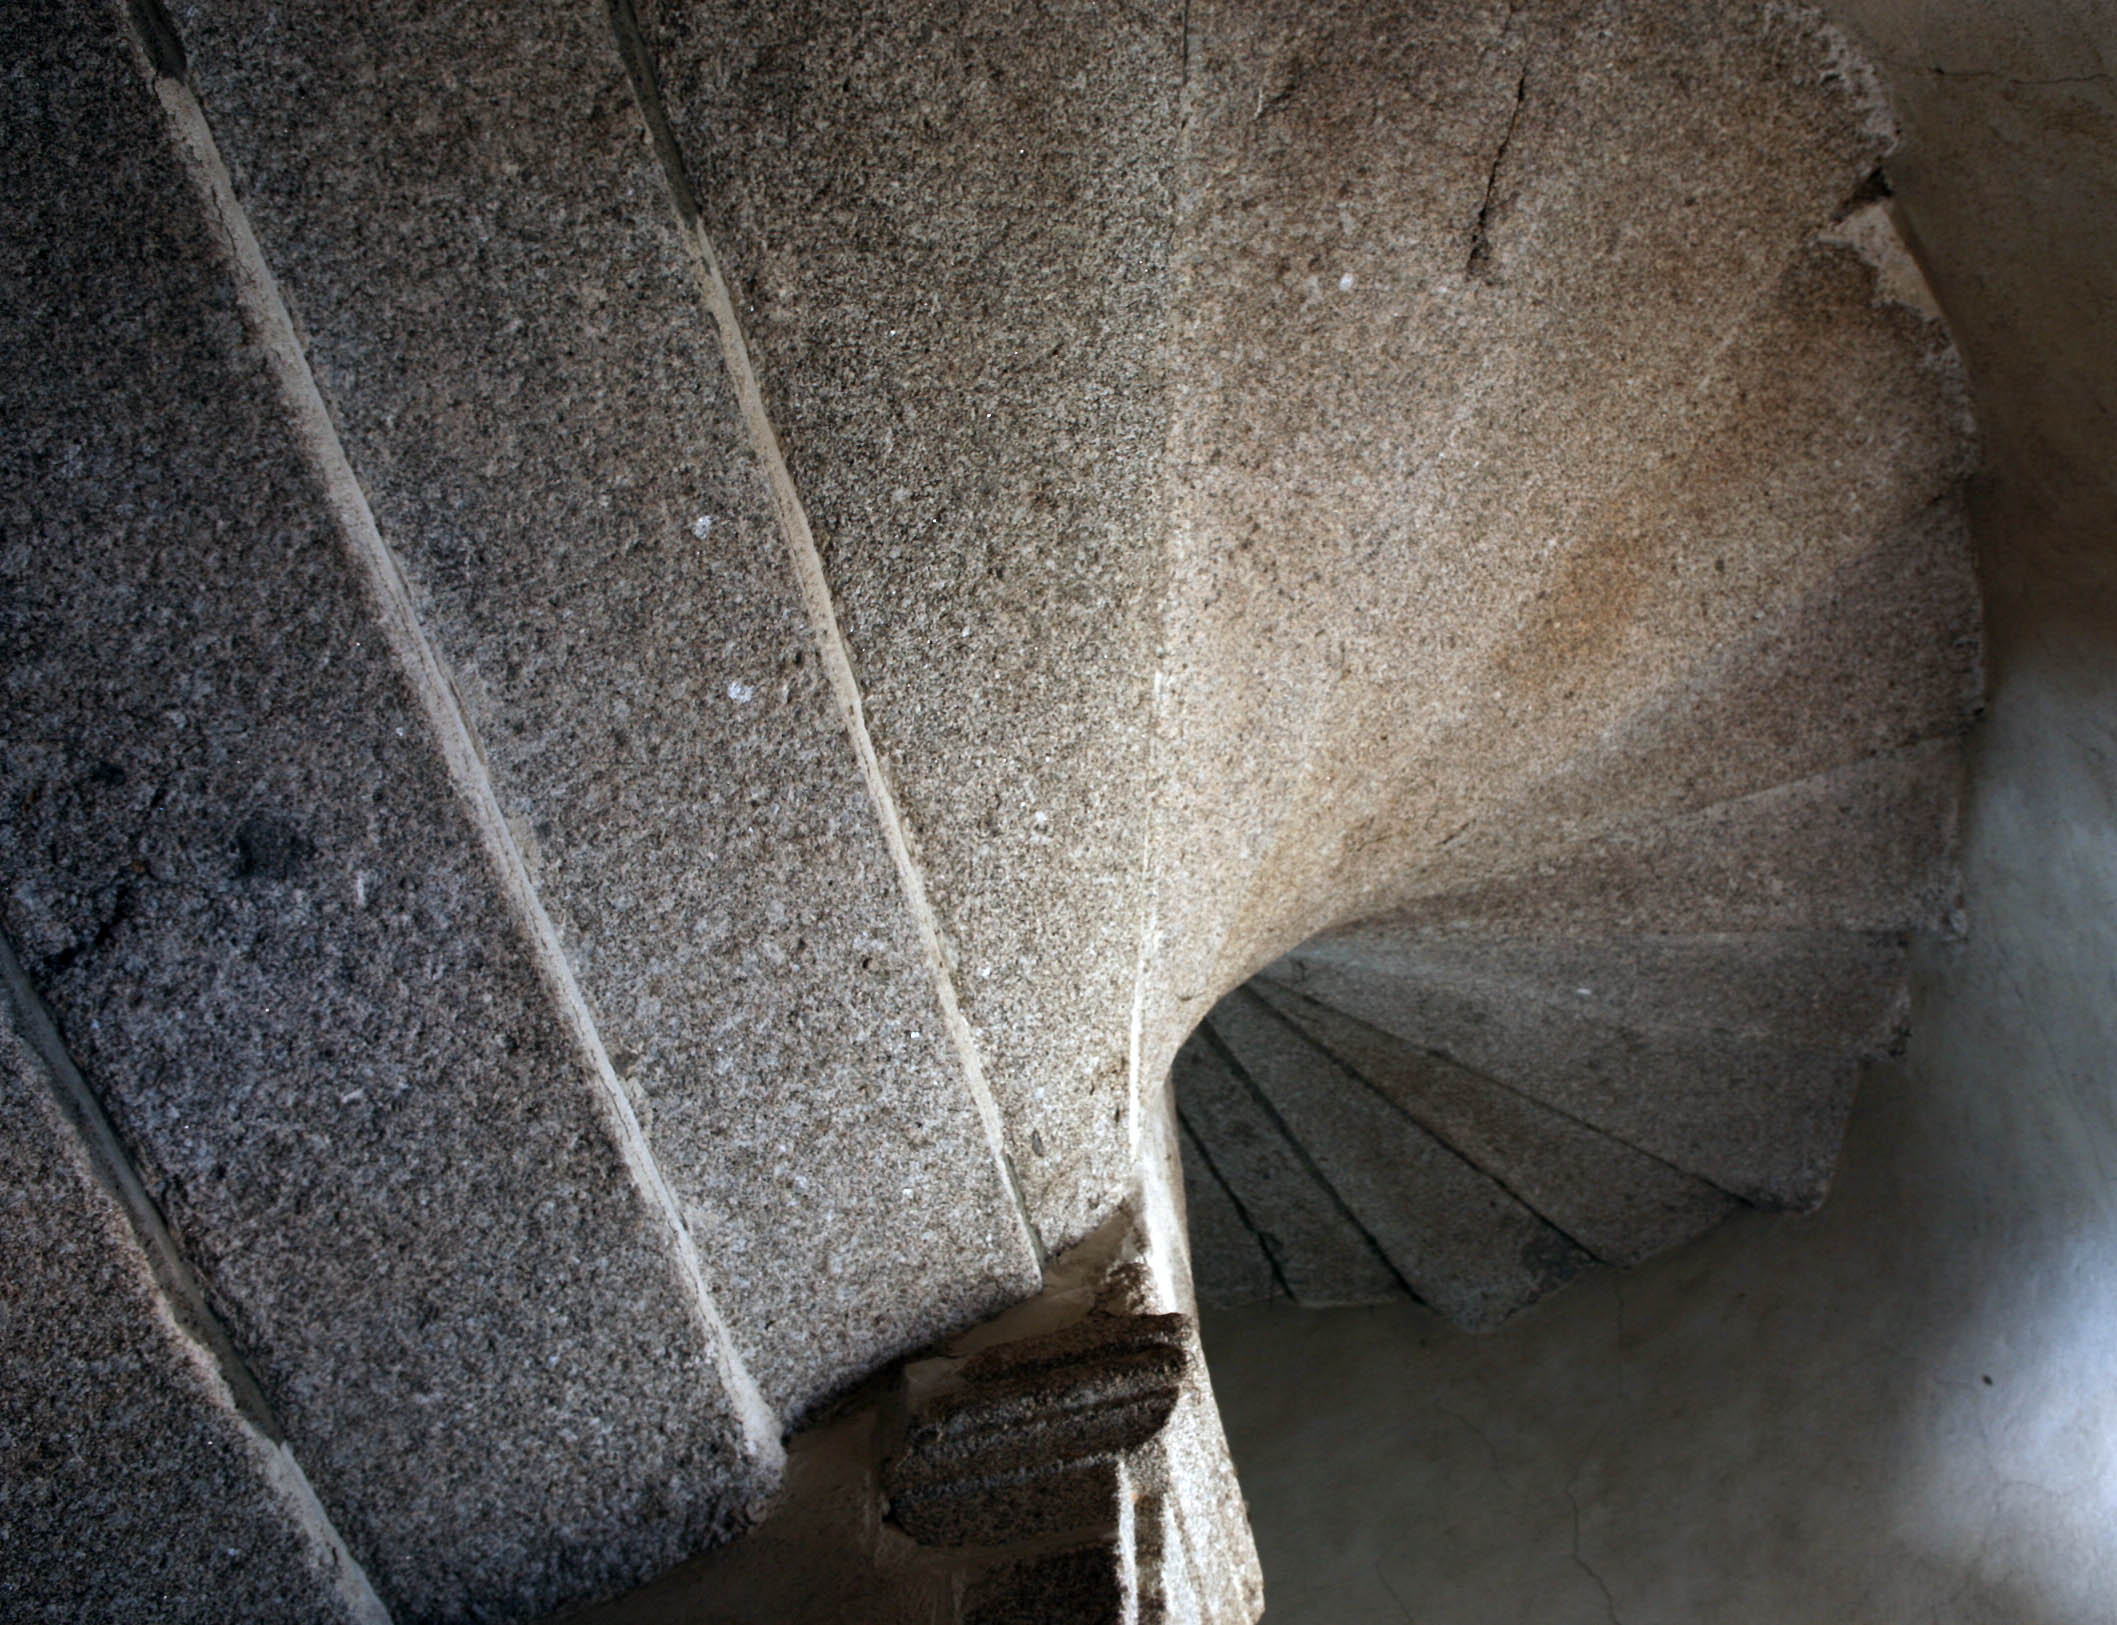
1200 1549
1885 652
1079 1420
1229 1266
1761 1122
130 1488
1466 1246
1086 1586
1841 991
1024 1440
999 1511
1320 1253
1864 848
467 218
947 235
1617 1202
1168 1588
241 876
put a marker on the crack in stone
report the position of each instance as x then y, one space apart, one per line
1609 1602
1483 1437
1403 1607
2026 84
1479 263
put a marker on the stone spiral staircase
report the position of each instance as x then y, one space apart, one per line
1537 903
667 663
1441 1104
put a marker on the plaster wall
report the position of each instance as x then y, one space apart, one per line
1899 1408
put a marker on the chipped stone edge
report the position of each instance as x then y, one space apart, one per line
180 1303
1847 62
807 565
1871 232
272 325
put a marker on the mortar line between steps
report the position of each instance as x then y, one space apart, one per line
807 564
1242 1210
316 438
179 1293
1396 1108
1232 1065
1538 1103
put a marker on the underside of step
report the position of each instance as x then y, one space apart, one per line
1591 1059
1536 906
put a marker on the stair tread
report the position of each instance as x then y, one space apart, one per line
1005 662
1618 1202
1882 654
1762 1122
138 1431
1463 1243
1808 990
1229 1266
714 874
1866 847
398 1171
1321 1254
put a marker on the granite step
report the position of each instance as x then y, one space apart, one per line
1883 653
947 236
1817 990
1864 848
1229 1266
1465 1245
1760 1121
251 876
1316 1247
138 1486
1616 1201
529 388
